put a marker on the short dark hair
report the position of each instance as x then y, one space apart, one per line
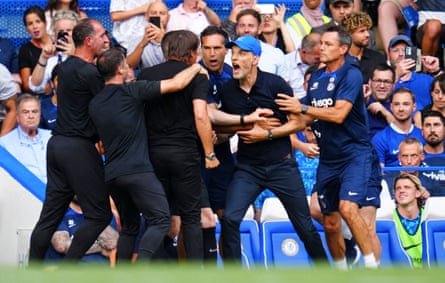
432 113
251 12
344 37
211 30
34 10
108 61
383 68
178 44
82 30
309 42
402 90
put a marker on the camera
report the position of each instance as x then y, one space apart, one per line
267 9
62 35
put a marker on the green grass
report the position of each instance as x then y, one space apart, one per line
167 273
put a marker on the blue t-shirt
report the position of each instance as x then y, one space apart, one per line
48 113
437 176
386 143
339 142
419 84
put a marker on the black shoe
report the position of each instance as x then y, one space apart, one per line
352 252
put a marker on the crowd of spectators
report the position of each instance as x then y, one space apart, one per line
403 93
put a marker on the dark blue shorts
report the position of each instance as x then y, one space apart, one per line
357 180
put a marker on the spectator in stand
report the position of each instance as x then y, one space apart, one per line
54 6
408 215
411 155
49 103
300 60
229 24
433 131
386 142
8 96
27 143
29 53
378 98
274 30
129 21
192 15
437 91
272 59
9 58
431 28
51 55
406 76
358 25
390 13
148 51
301 23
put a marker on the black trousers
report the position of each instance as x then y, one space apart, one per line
74 168
135 194
179 170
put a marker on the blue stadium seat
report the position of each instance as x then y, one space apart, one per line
281 246
434 242
250 242
393 253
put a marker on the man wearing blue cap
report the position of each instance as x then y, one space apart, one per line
404 67
267 164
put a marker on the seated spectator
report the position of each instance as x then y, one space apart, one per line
406 76
61 240
431 27
8 96
54 6
437 91
386 142
27 143
309 16
272 59
274 30
378 99
192 15
51 55
358 26
411 155
408 215
390 13
229 24
148 51
128 21
299 61
29 53
9 58
48 103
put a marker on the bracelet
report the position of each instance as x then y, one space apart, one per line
269 134
304 109
40 64
241 119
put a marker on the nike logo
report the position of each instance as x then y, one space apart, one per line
213 250
352 193
368 199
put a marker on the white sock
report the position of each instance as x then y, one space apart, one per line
346 232
370 261
341 264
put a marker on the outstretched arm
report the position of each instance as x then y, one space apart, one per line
181 79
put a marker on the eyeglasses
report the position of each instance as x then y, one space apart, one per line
385 82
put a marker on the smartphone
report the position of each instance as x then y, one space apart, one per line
62 35
266 8
411 53
156 21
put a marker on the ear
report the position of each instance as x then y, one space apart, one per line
344 49
256 60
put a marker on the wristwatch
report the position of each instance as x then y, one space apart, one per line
304 109
211 156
